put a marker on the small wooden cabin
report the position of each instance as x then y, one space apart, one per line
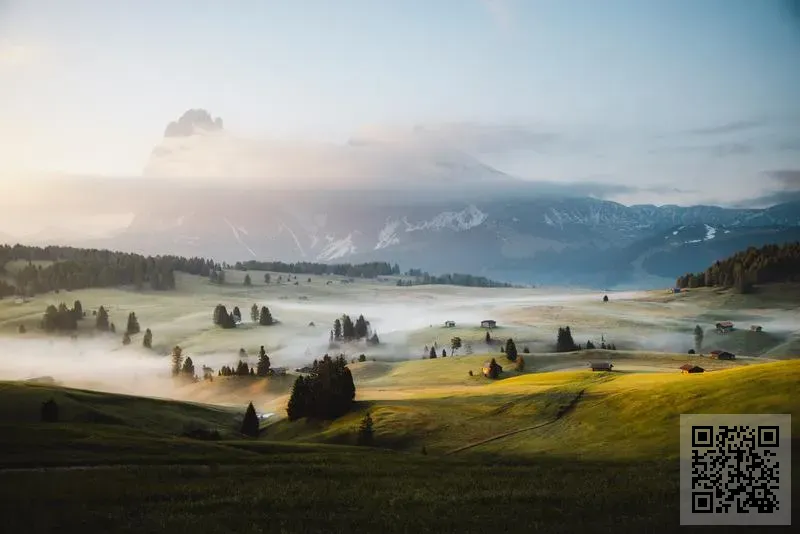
449 324
691 369
601 366
721 355
488 323
724 327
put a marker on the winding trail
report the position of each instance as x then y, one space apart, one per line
564 411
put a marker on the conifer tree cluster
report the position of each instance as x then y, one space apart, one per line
242 369
326 393
768 264
76 268
265 317
61 319
564 341
223 318
344 329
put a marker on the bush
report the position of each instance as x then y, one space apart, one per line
526 350
362 358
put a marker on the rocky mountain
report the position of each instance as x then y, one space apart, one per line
408 199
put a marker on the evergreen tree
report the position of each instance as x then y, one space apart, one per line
605 298
432 354
242 353
242 369
488 338
254 313
299 400
266 278
101 323
263 366
511 350
348 328
247 281
365 433
187 370
112 328
250 424
337 329
126 339
589 345
698 338
133 324
77 308
177 360
147 340
361 327
444 353
564 341
265 318
494 369
237 314
455 344
327 392
50 320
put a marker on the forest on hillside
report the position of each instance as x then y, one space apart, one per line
359 270
77 268
768 264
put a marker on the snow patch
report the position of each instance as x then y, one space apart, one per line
454 220
337 248
388 235
711 232
238 237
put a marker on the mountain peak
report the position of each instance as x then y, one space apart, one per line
192 122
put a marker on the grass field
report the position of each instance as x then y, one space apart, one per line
554 448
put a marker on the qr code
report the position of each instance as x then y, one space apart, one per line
735 469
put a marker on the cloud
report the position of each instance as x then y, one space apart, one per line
729 127
786 189
16 55
719 150
500 11
477 138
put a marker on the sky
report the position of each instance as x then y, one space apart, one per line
681 100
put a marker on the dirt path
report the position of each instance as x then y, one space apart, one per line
560 414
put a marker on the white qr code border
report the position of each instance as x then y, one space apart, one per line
747 484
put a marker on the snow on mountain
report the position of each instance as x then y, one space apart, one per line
239 238
453 220
710 232
337 248
388 235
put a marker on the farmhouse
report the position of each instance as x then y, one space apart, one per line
724 327
691 369
488 323
601 366
449 324
721 355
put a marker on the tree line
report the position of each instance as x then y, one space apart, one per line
61 318
78 268
359 270
453 279
768 264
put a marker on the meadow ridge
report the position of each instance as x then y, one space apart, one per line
505 441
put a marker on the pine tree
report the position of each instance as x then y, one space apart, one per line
237 314
177 360
126 339
337 330
250 422
133 324
511 350
348 328
247 281
254 313
101 323
698 338
266 278
589 345
494 369
265 318
365 433
147 340
299 399
77 308
488 338
444 353
432 353
112 328
263 365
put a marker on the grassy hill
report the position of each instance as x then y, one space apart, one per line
620 435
